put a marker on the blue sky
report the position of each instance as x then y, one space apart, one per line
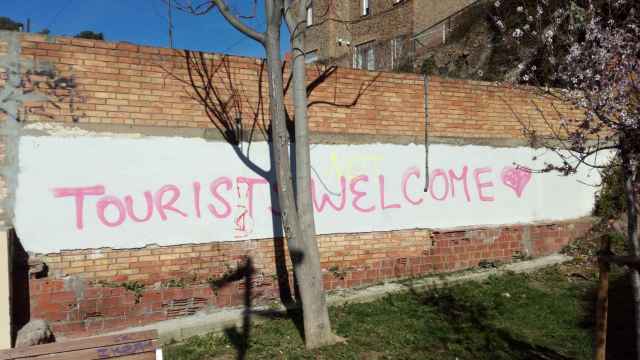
139 22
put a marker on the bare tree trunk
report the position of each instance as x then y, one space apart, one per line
317 327
630 169
297 218
280 140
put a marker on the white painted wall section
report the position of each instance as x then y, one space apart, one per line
92 191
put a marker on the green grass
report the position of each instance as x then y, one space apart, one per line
541 315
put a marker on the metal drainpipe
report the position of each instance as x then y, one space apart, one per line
426 133
444 32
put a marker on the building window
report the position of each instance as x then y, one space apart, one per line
310 57
396 51
310 14
364 57
365 8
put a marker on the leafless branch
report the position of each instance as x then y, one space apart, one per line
208 5
237 23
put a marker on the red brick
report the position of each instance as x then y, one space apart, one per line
63 297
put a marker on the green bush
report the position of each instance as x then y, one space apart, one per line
610 199
87 34
429 67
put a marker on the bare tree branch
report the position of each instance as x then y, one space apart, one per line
237 23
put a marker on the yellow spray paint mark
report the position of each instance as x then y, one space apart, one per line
355 165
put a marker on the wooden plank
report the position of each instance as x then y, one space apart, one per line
121 351
82 344
141 356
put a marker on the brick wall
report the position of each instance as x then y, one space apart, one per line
94 82
386 20
175 281
117 83
322 35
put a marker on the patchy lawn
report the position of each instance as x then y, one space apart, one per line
544 315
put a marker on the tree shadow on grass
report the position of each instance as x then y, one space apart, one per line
240 338
473 332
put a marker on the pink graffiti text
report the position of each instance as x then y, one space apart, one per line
362 194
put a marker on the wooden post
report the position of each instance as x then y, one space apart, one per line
602 303
5 288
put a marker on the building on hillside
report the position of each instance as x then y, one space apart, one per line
377 34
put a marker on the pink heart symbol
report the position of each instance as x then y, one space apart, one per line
516 178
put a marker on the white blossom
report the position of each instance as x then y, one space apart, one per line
517 33
593 57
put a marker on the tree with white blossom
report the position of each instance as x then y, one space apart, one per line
586 53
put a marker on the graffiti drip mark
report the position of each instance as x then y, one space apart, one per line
243 222
516 178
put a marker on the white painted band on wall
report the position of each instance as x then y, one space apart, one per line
91 192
